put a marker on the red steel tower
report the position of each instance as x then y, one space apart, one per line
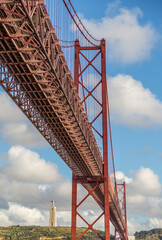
96 181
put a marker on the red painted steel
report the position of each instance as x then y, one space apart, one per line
74 212
95 182
125 211
109 203
105 142
36 64
35 74
121 192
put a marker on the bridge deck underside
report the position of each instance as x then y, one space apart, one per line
35 75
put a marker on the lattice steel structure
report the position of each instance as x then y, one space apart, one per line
121 192
35 74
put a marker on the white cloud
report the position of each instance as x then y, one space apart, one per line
4 220
29 194
28 184
112 7
145 182
26 165
128 40
142 183
136 199
9 111
64 218
120 176
22 133
28 180
143 192
65 190
14 125
144 199
18 214
25 216
33 196
147 224
131 104
134 226
155 222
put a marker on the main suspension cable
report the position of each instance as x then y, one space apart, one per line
77 25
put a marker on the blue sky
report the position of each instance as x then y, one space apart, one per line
133 30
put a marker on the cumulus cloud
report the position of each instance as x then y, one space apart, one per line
22 133
123 47
18 214
135 225
132 104
33 196
143 185
120 177
28 184
27 191
4 219
147 180
155 222
26 165
136 199
25 216
144 199
64 218
14 126
31 181
9 111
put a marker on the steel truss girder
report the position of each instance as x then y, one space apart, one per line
31 54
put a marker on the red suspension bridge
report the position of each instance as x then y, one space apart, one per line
55 72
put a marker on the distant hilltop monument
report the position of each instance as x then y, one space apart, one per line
52 219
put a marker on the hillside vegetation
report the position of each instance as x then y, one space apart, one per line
154 234
43 233
64 233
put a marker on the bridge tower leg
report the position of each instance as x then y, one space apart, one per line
74 209
105 176
105 140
